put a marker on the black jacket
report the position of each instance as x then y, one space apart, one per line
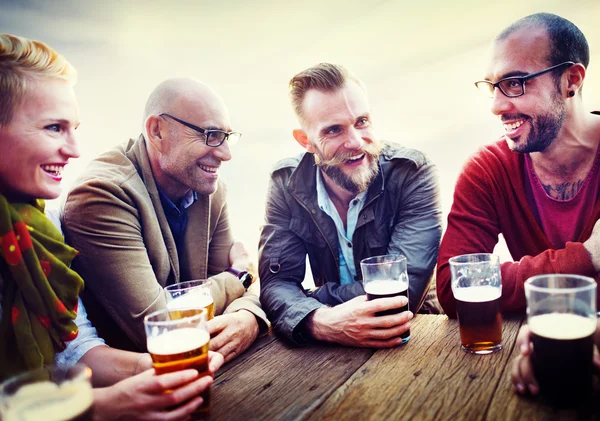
401 215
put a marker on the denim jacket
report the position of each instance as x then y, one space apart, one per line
401 215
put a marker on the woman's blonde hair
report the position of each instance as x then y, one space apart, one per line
22 61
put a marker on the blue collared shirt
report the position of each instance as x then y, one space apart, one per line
176 214
347 268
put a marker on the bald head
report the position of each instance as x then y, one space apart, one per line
179 96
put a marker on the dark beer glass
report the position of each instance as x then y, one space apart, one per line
53 393
561 313
386 276
177 343
477 288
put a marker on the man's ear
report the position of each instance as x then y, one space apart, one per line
302 139
575 77
153 132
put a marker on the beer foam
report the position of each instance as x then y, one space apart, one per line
385 287
562 326
49 402
477 294
190 300
178 341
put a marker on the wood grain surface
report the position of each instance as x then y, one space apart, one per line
430 378
282 383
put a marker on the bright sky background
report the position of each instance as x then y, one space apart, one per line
418 60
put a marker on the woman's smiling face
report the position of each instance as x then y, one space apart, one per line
39 140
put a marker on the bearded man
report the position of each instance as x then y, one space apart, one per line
348 197
538 184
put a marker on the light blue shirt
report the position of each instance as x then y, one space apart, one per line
347 268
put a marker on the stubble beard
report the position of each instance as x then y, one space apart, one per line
361 178
544 129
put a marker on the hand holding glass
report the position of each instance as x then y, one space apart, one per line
386 276
561 313
176 343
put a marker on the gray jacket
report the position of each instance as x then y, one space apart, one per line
401 215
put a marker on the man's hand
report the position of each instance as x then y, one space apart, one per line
354 323
235 332
522 369
172 396
592 245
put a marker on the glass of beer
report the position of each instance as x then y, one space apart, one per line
477 288
52 393
177 343
386 276
561 313
191 295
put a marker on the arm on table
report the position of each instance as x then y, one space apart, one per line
473 227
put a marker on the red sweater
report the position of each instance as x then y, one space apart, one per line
490 199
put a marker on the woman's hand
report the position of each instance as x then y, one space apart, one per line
145 397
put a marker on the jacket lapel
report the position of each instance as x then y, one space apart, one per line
138 154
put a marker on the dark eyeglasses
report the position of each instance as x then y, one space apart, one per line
212 137
514 86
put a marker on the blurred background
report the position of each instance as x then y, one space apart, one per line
418 60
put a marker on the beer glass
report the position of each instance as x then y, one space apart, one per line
52 393
386 276
177 343
191 295
561 313
477 288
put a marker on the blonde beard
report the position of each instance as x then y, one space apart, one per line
360 179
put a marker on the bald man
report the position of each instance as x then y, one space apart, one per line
152 212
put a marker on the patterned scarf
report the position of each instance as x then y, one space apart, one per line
40 291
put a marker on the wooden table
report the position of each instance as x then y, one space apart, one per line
429 378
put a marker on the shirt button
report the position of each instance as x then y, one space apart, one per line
350 245
355 202
314 211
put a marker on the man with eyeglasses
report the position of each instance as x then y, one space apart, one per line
538 185
350 196
153 212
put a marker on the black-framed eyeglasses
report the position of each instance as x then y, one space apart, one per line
212 137
514 86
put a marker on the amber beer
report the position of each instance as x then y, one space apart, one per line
479 318
181 349
388 288
183 305
562 357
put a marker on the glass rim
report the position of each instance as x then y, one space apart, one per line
591 283
179 285
393 258
202 314
84 372
493 258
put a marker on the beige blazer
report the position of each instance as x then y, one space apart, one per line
114 217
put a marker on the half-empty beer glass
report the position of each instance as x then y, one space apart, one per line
191 295
477 288
176 343
53 393
386 276
561 313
